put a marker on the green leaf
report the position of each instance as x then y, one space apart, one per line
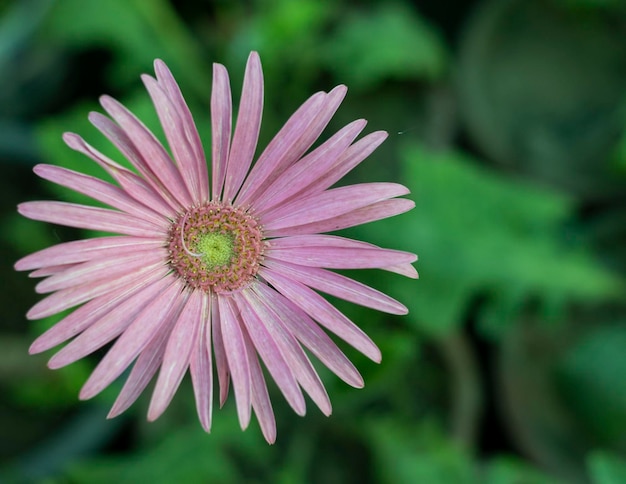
606 468
416 453
391 42
137 31
592 379
510 470
186 455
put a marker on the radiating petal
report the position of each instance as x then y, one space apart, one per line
99 190
329 204
50 270
292 141
323 312
156 316
132 184
334 252
354 155
406 270
197 164
177 354
84 250
95 270
221 127
269 351
339 286
90 313
201 366
310 168
259 395
116 135
144 369
311 336
174 130
149 148
369 213
295 357
247 129
237 358
109 326
68 298
221 362
85 217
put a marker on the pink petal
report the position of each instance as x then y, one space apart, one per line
311 336
310 168
329 204
354 155
284 149
221 362
125 145
144 369
247 129
234 346
85 217
99 190
406 270
201 367
132 184
84 250
181 343
338 286
323 312
370 213
260 397
156 316
196 165
334 252
175 134
291 142
109 326
88 314
221 127
50 270
294 356
68 298
265 343
150 149
96 270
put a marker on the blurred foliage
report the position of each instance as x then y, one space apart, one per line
596 363
606 468
388 42
481 234
506 122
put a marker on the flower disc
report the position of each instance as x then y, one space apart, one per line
216 247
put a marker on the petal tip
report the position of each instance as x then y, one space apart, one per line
55 364
33 314
36 347
88 391
114 412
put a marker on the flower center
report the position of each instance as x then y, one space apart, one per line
216 247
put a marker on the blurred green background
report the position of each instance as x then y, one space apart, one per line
507 121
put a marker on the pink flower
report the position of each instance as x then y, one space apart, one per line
226 273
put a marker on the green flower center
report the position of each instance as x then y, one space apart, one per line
216 249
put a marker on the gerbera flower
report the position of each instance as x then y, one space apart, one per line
225 273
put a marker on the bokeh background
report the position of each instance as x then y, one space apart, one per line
507 121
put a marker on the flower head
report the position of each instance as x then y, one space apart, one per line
221 273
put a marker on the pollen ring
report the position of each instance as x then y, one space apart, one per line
216 247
